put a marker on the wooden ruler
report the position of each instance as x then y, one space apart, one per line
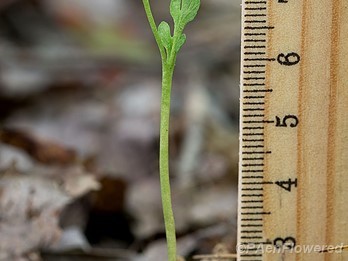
294 130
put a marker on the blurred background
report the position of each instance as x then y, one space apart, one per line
79 126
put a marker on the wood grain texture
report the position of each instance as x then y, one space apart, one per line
315 152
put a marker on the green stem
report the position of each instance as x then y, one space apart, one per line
167 76
168 64
153 26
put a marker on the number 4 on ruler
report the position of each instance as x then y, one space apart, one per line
287 185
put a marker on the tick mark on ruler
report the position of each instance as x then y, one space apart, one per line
256 213
255 40
253 78
253 128
258 183
251 201
253 207
253 103
260 59
255 8
252 195
268 90
252 189
254 84
263 121
254 237
253 146
254 15
254 72
256 152
254 46
253 140
253 97
259 27
251 231
252 219
254 109
255 2
253 134
252 170
255 34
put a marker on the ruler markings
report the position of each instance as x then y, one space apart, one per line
254 15
255 40
254 97
256 121
262 46
254 53
252 195
255 57
254 115
254 127
253 207
251 237
252 189
257 183
256 72
253 103
253 146
255 21
251 231
259 59
256 213
255 8
256 152
258 90
254 46
255 2
253 109
252 219
258 28
250 165
254 84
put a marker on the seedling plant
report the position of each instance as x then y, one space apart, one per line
169 43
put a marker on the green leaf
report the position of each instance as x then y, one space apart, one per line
183 11
175 9
190 8
166 38
180 42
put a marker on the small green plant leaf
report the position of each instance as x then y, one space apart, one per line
183 11
166 38
180 42
175 8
